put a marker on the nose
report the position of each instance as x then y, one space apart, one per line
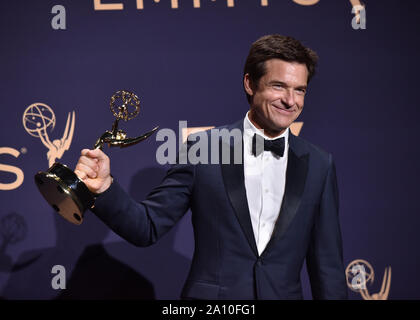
288 98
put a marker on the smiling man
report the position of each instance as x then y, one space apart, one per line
255 222
278 97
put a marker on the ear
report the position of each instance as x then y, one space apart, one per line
248 85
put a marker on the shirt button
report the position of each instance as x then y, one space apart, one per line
266 190
263 225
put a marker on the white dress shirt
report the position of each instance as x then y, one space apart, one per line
265 180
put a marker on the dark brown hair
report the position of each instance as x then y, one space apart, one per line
276 46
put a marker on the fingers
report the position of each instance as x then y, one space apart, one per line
80 174
95 154
87 167
83 171
91 163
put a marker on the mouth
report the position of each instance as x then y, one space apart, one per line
283 109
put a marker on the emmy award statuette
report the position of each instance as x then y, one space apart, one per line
62 188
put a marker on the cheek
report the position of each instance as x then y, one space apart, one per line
299 110
300 102
261 101
271 97
274 95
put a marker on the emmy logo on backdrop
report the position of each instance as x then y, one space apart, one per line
39 117
359 273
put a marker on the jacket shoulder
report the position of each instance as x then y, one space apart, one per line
304 146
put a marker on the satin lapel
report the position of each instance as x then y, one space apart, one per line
296 172
234 180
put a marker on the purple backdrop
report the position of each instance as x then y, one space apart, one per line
186 64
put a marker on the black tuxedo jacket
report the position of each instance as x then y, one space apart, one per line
226 264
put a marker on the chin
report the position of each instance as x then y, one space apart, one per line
282 125
277 128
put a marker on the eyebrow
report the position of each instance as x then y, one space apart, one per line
285 84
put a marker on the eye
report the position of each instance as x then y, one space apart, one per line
301 91
278 86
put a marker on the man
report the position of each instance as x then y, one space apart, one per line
255 221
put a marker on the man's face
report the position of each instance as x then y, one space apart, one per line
279 97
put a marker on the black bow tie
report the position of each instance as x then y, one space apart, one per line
276 146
